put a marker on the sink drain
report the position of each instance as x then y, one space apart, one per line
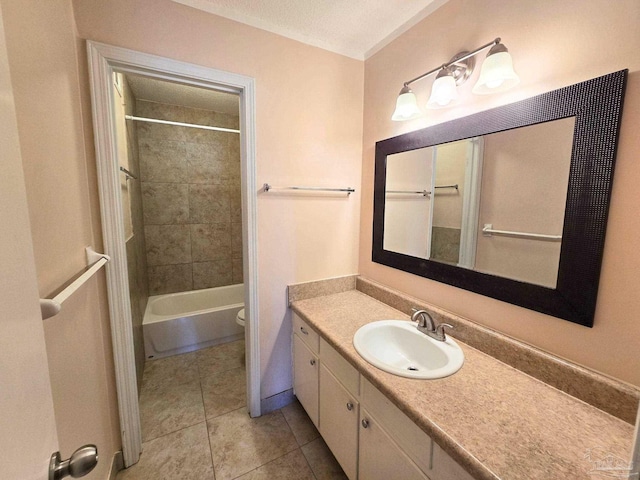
412 368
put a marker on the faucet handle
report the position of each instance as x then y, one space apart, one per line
440 335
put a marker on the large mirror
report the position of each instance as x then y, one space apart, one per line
510 203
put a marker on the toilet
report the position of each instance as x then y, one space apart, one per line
240 321
240 318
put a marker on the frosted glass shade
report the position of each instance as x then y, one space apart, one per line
443 92
496 75
406 106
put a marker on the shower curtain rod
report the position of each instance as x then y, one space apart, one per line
180 124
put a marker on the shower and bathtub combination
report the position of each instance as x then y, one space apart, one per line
186 321
182 211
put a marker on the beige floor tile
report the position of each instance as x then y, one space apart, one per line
170 408
174 370
322 461
301 425
183 455
219 358
240 444
224 392
289 467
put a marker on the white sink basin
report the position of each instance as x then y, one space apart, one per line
397 347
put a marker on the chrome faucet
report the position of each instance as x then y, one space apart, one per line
427 325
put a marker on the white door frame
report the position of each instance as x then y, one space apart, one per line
103 60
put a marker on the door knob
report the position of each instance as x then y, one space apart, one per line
81 462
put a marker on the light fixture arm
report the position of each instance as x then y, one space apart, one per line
454 61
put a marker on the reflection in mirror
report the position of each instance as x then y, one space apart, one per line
449 222
407 217
516 181
546 177
524 190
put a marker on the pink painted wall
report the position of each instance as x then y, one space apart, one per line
26 405
309 132
553 44
61 192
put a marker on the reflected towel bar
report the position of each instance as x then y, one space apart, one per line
488 230
266 187
50 307
424 193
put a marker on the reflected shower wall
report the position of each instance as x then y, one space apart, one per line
191 199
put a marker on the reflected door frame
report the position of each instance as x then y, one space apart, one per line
103 61
471 203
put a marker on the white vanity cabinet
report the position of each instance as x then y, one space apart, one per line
369 436
380 458
306 367
339 415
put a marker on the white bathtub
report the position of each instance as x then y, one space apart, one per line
186 321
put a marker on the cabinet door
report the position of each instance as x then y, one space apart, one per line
339 422
380 458
305 378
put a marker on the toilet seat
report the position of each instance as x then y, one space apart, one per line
240 318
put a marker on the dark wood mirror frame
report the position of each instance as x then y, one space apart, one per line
597 106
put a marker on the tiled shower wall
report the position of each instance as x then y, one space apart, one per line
191 199
136 249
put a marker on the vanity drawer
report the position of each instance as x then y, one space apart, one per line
343 370
307 334
409 437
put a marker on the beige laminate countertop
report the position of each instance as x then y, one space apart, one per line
495 421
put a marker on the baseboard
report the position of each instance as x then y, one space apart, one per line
117 464
274 402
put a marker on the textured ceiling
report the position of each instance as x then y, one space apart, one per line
355 28
159 91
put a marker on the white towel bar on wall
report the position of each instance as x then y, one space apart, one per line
488 230
52 306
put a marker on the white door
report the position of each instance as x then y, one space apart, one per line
28 434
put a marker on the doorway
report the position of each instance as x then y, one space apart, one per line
104 62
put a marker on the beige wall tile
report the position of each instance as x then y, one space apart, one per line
165 203
235 199
237 270
170 278
209 204
192 177
206 163
168 244
163 161
212 274
236 239
211 241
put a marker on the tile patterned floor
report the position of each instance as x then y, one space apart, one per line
195 426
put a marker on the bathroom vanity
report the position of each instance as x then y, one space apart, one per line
487 421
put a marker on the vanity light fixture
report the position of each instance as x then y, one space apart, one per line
496 75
